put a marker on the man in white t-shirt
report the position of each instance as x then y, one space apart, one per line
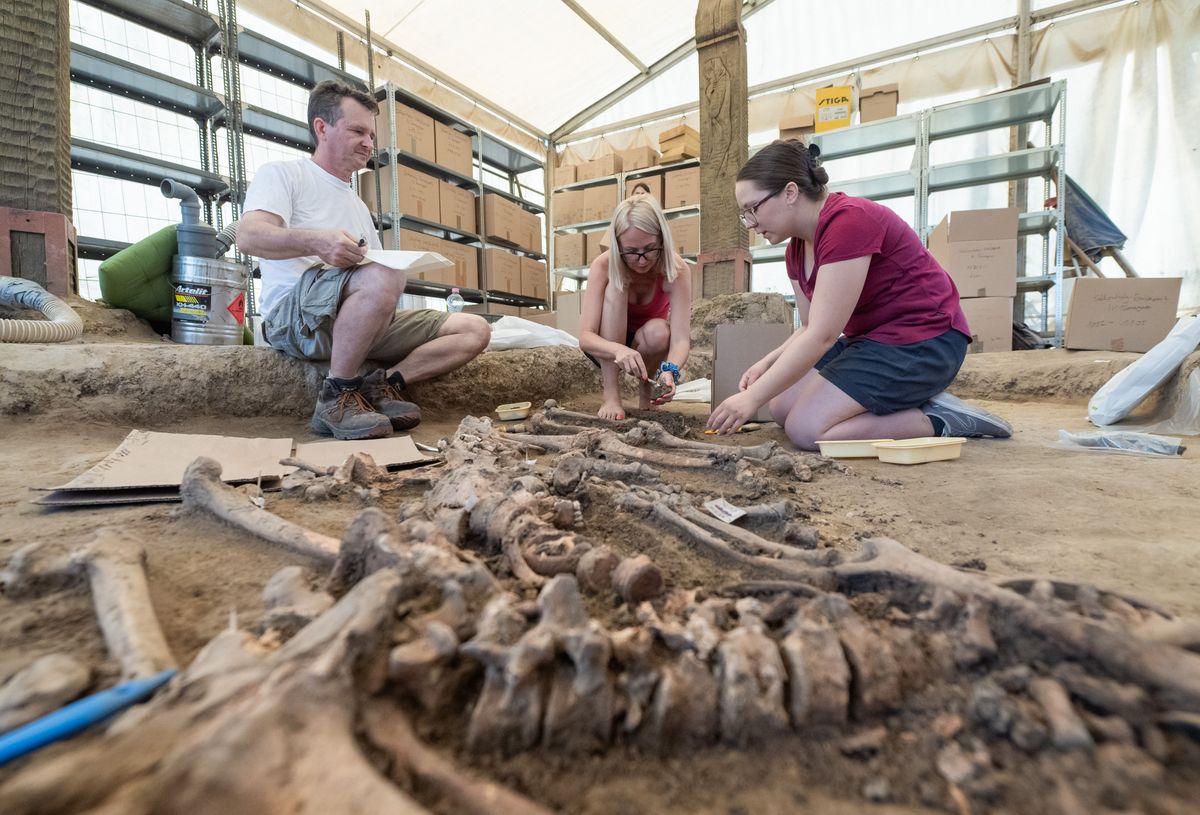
310 231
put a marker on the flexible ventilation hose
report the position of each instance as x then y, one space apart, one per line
226 238
63 324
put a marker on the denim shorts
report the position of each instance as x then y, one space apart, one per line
889 378
301 324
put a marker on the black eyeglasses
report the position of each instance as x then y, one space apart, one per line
649 255
748 216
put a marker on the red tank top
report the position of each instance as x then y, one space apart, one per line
658 307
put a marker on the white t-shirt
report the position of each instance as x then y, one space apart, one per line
305 197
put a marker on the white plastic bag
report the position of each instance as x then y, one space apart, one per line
515 332
1121 394
1123 442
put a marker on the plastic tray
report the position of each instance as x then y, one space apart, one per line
516 410
919 451
862 448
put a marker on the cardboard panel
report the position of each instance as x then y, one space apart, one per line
599 167
681 188
565 175
677 131
737 346
453 149
1121 314
568 306
569 250
797 127
457 207
596 241
990 320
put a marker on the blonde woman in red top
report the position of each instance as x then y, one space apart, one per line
637 307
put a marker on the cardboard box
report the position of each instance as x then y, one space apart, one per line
596 241
565 175
502 271
420 242
414 132
567 207
990 320
366 191
681 188
677 131
737 346
419 193
833 107
508 222
457 207
568 305
535 282
878 103
978 248
687 143
797 127
637 158
678 154
1121 314
465 273
599 202
653 182
685 234
598 167
569 250
453 150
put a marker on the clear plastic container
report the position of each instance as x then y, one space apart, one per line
455 302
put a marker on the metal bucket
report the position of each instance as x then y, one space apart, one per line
210 301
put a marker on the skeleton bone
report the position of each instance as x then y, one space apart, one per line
751 678
202 488
114 563
43 686
1067 730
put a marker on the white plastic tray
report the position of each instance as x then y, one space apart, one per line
919 451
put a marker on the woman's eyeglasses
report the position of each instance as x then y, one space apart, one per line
749 216
648 255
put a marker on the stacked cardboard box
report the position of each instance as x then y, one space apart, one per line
453 149
653 182
598 167
638 158
678 143
595 242
685 234
535 281
420 194
457 207
567 174
415 132
599 202
568 207
568 306
1121 314
681 188
464 274
569 250
503 271
507 221
878 103
978 248
797 127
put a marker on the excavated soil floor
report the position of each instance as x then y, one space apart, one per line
1020 506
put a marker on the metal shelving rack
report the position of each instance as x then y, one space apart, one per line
487 152
623 180
1045 103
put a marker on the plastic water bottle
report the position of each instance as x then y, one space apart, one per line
455 302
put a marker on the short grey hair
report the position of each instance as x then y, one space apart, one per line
325 103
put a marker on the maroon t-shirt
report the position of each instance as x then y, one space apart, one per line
907 296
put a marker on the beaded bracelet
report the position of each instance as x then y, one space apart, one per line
670 368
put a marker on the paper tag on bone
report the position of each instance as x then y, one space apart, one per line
723 510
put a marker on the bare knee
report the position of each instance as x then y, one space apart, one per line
383 286
804 429
472 331
656 337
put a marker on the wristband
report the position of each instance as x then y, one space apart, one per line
670 368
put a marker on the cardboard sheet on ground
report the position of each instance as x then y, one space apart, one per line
149 466
411 262
394 451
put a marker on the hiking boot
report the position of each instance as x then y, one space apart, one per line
962 419
384 393
343 412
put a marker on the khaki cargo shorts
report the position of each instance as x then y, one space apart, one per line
301 324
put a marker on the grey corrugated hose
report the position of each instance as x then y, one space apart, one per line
62 325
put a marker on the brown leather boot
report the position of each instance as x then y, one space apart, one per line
385 395
344 412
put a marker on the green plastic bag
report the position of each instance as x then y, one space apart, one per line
138 278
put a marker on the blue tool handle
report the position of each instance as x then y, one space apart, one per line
77 716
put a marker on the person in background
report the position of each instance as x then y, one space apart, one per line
321 301
883 334
637 307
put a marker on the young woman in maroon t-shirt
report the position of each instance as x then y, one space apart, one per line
637 307
883 334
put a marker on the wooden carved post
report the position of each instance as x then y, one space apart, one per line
724 260
35 139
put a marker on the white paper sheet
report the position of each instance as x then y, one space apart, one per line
412 262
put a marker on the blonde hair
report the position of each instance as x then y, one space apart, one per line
641 212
